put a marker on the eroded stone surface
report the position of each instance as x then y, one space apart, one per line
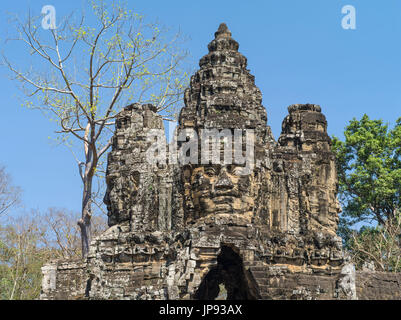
181 231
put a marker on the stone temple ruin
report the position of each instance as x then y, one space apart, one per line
182 231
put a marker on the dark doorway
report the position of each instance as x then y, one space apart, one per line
229 274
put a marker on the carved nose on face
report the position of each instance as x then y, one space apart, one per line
224 181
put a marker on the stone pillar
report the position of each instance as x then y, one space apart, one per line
49 284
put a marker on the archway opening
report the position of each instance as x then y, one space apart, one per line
229 276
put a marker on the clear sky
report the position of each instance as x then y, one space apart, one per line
297 50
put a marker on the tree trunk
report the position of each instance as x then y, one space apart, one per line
85 221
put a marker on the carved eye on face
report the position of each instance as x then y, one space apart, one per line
230 168
210 171
235 170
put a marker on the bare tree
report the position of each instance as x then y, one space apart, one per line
61 232
9 195
84 73
380 245
32 239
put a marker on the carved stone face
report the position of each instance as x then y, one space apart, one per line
120 196
216 189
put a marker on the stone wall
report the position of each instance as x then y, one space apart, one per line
64 280
372 285
69 281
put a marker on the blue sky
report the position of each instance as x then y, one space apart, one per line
297 50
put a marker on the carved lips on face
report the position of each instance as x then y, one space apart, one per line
220 189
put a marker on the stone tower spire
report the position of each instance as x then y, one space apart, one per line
222 32
222 93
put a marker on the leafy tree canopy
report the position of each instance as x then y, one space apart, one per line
369 171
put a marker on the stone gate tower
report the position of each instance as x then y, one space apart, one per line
184 230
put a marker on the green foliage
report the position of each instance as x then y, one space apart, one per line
27 243
369 170
21 259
